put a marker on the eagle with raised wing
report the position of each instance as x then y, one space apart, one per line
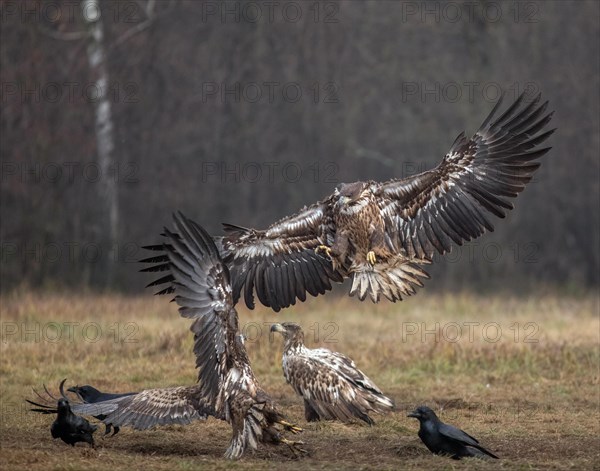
330 383
227 388
380 234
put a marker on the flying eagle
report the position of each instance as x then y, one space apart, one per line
330 383
227 388
380 234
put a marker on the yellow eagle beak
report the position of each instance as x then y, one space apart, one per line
277 328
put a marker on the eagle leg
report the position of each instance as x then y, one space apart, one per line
310 414
378 248
338 251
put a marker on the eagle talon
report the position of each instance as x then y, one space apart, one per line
294 448
371 258
324 248
291 427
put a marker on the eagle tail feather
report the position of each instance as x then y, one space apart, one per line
381 403
395 278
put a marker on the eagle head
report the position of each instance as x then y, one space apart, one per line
289 330
350 193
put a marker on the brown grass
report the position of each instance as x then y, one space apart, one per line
529 392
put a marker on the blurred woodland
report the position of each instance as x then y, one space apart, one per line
243 112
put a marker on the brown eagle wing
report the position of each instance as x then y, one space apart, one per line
427 212
151 407
201 282
334 386
280 263
203 292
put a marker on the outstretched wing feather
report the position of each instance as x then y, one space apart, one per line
203 292
279 264
477 176
149 408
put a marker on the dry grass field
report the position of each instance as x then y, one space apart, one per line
521 374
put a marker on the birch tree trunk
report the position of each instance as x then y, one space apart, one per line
105 144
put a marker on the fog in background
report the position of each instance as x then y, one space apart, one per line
243 112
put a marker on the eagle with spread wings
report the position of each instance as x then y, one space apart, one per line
227 388
381 234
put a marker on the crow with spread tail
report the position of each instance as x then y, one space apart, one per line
87 394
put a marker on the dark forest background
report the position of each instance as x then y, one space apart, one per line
243 112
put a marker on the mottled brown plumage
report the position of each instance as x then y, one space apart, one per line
330 383
227 388
225 377
380 234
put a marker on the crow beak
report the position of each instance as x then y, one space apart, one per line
414 414
277 328
73 389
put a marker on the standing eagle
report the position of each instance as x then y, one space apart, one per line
227 388
380 234
330 383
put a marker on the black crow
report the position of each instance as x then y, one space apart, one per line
444 439
87 394
71 428
91 395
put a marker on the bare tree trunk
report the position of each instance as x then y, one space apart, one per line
105 143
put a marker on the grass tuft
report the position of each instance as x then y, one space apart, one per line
519 373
